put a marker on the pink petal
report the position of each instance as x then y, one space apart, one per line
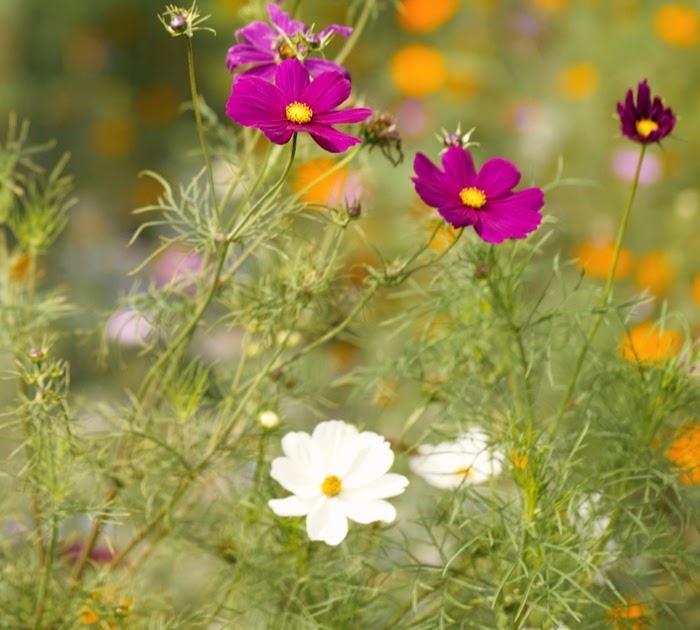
497 177
292 79
326 92
514 216
331 139
459 167
342 116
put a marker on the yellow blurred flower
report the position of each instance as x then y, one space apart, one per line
630 615
519 459
655 273
595 258
549 5
424 16
677 24
418 70
579 81
444 237
695 290
645 343
113 136
158 105
685 453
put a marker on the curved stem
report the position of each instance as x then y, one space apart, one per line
356 32
604 302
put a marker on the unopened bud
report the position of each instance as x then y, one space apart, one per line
269 420
178 22
482 271
37 355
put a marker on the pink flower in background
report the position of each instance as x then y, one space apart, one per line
178 268
294 104
263 47
129 328
484 199
624 165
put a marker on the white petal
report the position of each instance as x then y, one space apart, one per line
372 460
370 511
386 486
291 506
327 522
335 444
292 476
298 446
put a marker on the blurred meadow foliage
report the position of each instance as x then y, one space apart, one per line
177 294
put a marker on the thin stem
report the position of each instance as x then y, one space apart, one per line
356 32
604 302
200 126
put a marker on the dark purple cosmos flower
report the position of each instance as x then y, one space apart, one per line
295 103
648 120
484 200
263 47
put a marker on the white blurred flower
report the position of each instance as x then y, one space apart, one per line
269 420
130 328
591 522
468 460
336 474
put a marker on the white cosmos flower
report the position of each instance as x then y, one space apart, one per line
467 460
336 474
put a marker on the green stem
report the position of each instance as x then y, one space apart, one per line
46 573
200 126
604 302
356 32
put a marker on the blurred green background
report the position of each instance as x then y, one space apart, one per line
538 78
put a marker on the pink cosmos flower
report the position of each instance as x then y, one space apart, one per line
295 103
484 200
263 47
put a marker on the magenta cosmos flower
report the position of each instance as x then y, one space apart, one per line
295 103
263 47
484 200
648 120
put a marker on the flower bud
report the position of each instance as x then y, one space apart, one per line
268 420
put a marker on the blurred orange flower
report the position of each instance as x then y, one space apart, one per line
327 191
579 81
549 5
630 615
655 272
421 16
418 70
685 453
443 238
695 290
677 24
646 343
595 258
158 105
113 136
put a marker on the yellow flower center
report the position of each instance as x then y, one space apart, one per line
472 197
465 472
298 113
285 51
331 486
645 127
